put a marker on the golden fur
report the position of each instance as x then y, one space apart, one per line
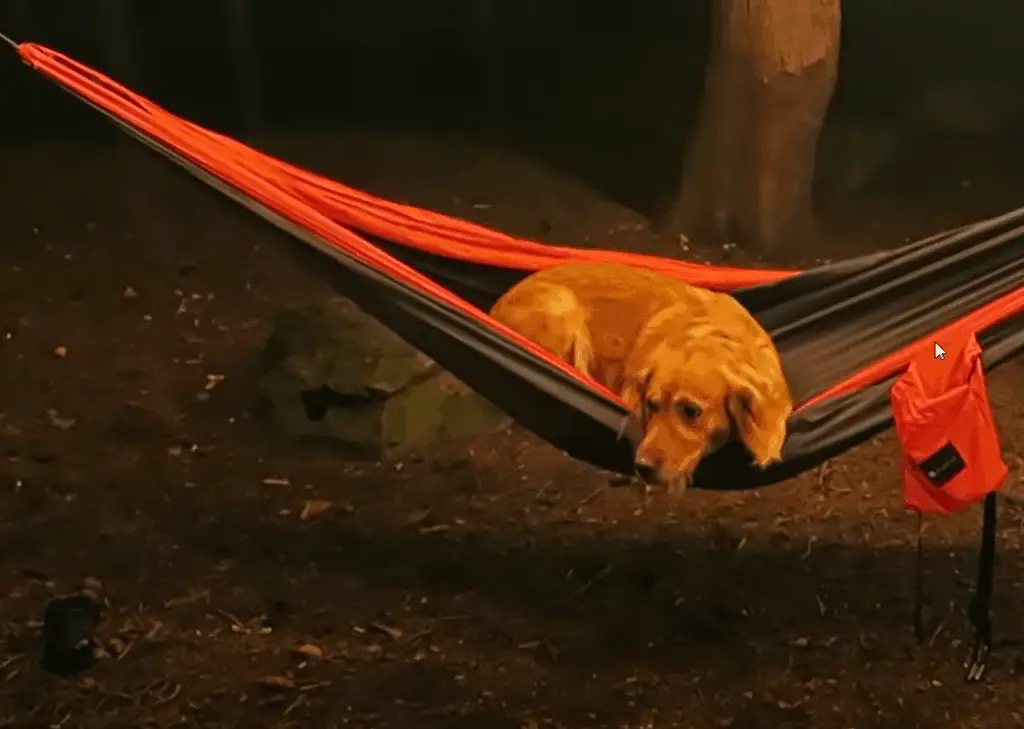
693 365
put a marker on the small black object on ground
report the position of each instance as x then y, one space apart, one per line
69 624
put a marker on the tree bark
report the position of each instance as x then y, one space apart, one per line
749 165
245 54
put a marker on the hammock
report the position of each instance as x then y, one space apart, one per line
844 331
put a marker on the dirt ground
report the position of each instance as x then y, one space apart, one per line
492 583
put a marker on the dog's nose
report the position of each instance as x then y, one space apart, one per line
647 474
648 469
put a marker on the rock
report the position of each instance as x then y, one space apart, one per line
332 371
336 345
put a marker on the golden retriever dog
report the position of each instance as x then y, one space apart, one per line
694 367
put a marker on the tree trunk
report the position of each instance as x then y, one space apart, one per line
245 54
750 163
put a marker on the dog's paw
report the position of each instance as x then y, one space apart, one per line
763 462
765 447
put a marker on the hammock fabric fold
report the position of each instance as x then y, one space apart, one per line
845 331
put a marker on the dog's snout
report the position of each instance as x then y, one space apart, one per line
648 474
648 468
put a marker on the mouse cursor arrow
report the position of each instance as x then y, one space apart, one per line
940 353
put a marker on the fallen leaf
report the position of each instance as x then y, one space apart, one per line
308 650
314 507
276 683
436 528
393 633
91 584
418 516
56 419
116 647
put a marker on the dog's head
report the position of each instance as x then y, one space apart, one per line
692 386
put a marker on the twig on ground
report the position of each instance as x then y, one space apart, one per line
170 696
315 686
588 498
810 546
938 629
154 630
419 634
590 583
299 701
450 618
236 624
190 598
823 472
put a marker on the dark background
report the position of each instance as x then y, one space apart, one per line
602 93
542 71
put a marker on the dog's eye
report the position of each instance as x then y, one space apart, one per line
651 406
688 410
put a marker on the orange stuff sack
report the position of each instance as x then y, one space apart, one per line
951 453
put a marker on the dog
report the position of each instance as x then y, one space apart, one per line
692 365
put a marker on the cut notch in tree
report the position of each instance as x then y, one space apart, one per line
749 166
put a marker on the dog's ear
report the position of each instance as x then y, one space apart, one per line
759 410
